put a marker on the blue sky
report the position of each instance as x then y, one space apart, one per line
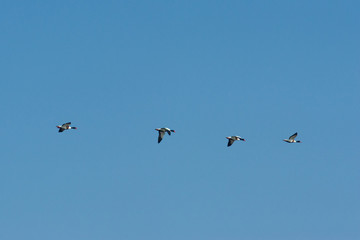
208 69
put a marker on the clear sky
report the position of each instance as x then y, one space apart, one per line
208 69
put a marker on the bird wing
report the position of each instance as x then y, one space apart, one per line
66 124
231 141
168 131
161 135
292 137
61 129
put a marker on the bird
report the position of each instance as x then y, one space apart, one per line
65 126
162 132
232 139
292 139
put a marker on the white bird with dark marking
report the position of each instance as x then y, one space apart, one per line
292 139
232 139
65 126
162 132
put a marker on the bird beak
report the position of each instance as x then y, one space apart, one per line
58 126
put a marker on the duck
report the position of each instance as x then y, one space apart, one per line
162 132
232 139
292 139
65 126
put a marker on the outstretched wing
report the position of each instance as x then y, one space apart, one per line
292 137
168 131
161 135
61 129
231 141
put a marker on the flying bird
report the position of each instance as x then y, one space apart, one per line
292 139
162 132
232 139
65 126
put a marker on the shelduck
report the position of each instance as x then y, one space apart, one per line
162 132
232 139
65 126
292 139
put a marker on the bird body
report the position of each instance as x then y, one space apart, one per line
292 139
232 139
65 126
162 132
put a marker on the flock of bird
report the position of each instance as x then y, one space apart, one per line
162 131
